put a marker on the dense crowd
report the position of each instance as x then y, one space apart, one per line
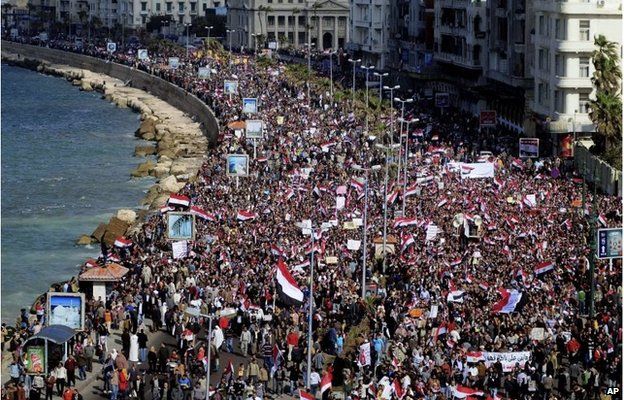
433 320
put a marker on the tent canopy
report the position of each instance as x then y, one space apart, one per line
58 334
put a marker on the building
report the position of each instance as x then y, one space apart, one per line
564 42
286 22
411 43
371 22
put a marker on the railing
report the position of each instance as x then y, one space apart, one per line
595 170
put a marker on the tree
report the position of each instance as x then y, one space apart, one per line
264 9
606 110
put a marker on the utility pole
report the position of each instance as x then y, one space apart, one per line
354 62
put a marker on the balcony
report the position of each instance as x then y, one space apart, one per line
458 60
573 83
575 7
586 46
519 47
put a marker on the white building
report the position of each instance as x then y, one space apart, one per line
564 42
287 22
370 31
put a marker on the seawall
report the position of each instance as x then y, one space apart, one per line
160 88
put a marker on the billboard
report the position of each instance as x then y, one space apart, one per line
250 105
253 129
34 360
237 164
529 148
609 243
66 309
180 226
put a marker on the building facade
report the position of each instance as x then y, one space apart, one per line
289 23
563 44
371 22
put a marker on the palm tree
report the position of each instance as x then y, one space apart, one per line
606 109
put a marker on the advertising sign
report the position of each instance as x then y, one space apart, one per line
230 87
487 118
142 54
610 243
66 309
174 62
180 226
34 361
237 164
442 100
250 105
529 148
203 72
111 47
253 129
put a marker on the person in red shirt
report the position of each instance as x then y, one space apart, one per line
292 340
70 366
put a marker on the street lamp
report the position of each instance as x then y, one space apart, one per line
366 170
391 90
401 130
255 36
309 47
354 62
310 310
228 31
387 149
187 25
408 123
194 312
367 69
208 28
380 76
331 73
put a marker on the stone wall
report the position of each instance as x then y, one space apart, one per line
160 88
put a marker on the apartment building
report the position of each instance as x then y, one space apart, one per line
563 43
288 23
371 23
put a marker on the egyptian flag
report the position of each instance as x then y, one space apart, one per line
440 330
289 193
91 263
229 369
326 381
392 196
398 389
402 222
462 392
112 257
484 286
410 190
518 164
543 267
499 183
287 286
474 356
278 358
406 241
277 251
442 202
179 200
305 395
510 302
456 262
122 242
602 220
325 146
357 183
244 215
198 212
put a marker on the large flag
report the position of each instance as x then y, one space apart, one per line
401 222
287 286
398 389
179 200
477 170
392 196
357 183
410 190
509 303
244 215
326 381
305 395
543 267
198 212
122 242
462 392
277 359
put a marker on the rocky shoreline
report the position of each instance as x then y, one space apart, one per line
180 147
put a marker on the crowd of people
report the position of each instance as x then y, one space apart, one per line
501 309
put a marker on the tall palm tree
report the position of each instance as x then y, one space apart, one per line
608 75
264 10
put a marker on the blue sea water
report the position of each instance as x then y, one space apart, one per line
66 162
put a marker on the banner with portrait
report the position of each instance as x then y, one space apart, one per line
180 226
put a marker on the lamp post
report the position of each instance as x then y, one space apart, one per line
401 131
367 69
208 28
310 311
331 73
228 32
364 244
309 47
387 149
255 36
408 123
187 25
391 90
381 86
194 312
354 62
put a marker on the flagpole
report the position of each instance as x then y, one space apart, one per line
311 302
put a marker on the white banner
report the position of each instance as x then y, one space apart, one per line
432 232
508 359
180 249
353 244
340 202
365 354
477 170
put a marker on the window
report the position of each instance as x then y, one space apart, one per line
560 29
271 20
559 101
157 7
543 95
301 37
301 20
584 30
584 67
143 6
193 6
181 6
560 69
541 24
169 6
291 20
280 20
542 58
584 102
143 19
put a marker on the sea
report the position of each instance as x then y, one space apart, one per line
66 158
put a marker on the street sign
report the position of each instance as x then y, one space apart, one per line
111 47
609 243
487 118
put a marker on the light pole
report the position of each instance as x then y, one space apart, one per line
408 123
228 32
255 36
331 73
309 47
354 62
381 76
387 149
391 90
194 311
401 131
187 25
310 311
208 28
367 69
364 244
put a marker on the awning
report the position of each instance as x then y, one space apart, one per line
58 334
